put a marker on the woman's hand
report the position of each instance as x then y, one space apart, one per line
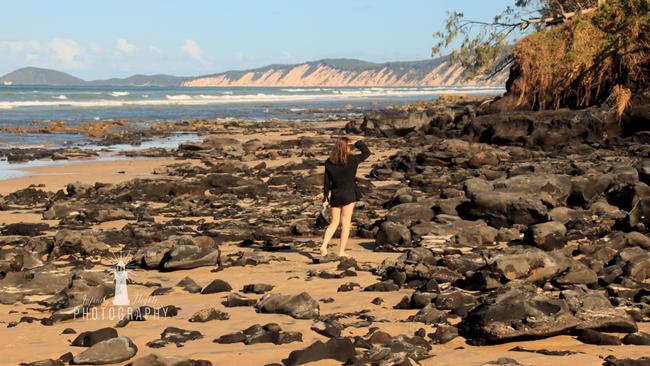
353 141
325 204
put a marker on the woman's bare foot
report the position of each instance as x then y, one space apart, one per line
323 251
344 255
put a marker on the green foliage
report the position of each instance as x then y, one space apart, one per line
485 46
567 53
580 62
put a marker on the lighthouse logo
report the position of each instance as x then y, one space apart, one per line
122 307
121 276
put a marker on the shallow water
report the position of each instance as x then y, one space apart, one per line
31 107
107 153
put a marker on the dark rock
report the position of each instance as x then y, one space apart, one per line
546 236
174 335
84 242
444 334
590 336
384 286
506 314
235 337
189 285
576 274
391 235
329 330
90 338
504 361
110 351
208 314
391 123
235 299
257 288
457 301
643 169
613 361
161 291
637 239
269 333
216 286
595 311
25 228
179 252
429 315
531 264
543 351
639 339
347 287
340 349
156 360
300 306
408 214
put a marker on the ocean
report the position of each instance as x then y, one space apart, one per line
33 106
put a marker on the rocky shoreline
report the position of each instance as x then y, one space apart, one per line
484 237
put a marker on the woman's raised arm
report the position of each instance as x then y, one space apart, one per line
365 152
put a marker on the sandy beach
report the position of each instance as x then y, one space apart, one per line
290 271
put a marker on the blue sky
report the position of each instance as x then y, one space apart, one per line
101 39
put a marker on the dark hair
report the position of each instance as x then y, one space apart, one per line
340 151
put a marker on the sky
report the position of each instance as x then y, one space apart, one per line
118 38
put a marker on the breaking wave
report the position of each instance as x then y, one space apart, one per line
223 98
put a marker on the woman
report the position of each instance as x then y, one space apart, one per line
340 181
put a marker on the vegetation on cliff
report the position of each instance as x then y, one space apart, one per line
562 53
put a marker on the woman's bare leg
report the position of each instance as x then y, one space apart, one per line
346 223
331 229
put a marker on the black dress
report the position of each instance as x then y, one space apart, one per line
340 180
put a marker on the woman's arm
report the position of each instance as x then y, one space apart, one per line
327 184
365 152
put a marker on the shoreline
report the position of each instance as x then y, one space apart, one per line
250 193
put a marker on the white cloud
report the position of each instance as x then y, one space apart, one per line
192 48
125 46
67 51
21 46
59 52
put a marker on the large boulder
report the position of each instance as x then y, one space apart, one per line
242 187
462 232
340 349
549 130
157 360
595 311
501 208
522 199
391 123
90 338
25 228
547 235
410 213
643 169
517 311
300 306
530 264
392 236
84 242
179 252
110 351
